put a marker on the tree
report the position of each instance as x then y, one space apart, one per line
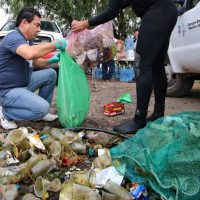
64 11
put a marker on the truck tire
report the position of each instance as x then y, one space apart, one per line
179 85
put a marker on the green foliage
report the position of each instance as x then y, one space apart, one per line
65 11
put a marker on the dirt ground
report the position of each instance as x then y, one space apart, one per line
104 92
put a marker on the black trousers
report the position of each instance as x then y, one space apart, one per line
152 45
108 69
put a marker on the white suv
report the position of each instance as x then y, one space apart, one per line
183 63
49 31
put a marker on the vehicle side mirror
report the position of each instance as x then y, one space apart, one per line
180 6
181 2
181 10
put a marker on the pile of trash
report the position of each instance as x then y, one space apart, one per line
49 160
91 47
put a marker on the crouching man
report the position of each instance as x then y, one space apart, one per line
18 82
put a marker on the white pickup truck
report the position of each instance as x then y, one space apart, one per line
183 63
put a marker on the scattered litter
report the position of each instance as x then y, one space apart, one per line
125 98
58 161
35 140
110 173
113 109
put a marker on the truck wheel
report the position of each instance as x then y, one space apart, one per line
179 85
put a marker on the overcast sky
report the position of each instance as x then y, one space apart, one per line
3 17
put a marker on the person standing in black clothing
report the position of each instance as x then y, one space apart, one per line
135 39
158 18
108 70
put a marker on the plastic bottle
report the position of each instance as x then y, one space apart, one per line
129 43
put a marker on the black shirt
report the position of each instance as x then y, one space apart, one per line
114 6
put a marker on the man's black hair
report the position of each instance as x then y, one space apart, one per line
27 13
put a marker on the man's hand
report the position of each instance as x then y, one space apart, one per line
79 25
60 44
54 58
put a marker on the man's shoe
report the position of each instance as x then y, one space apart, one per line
8 124
112 79
132 81
154 116
130 127
5 123
49 117
105 79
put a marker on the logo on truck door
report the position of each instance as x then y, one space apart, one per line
195 25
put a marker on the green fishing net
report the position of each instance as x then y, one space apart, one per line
72 94
165 155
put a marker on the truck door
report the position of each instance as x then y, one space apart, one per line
185 40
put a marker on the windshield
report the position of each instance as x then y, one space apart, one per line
49 26
9 26
45 26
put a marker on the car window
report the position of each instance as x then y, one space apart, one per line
49 26
9 26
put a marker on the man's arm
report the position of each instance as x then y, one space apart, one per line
35 51
109 13
41 62
125 4
38 51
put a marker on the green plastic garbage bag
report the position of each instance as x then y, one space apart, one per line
72 94
165 156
